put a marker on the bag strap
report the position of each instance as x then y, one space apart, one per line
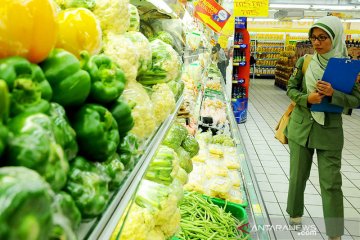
307 59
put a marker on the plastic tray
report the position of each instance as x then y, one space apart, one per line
237 210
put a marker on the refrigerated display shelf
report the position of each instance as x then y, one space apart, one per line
98 228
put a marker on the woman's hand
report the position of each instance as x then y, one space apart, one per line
315 98
324 88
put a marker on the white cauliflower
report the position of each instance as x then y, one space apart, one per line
168 208
156 234
163 101
143 48
134 18
139 223
113 15
124 53
172 225
143 112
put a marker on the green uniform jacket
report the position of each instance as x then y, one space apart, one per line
303 129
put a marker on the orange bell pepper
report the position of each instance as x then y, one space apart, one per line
27 29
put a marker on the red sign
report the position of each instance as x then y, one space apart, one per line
212 14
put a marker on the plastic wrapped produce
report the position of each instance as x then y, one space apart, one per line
143 112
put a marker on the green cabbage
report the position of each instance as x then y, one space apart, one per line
191 145
184 159
175 136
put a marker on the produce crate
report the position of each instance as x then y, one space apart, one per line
237 210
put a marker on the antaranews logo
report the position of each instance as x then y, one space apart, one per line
303 230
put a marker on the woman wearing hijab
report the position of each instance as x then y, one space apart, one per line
308 131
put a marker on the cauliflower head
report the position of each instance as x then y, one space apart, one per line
113 15
173 224
156 234
143 112
168 208
124 53
138 224
143 48
163 101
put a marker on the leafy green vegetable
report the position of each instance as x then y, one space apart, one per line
25 209
89 4
128 150
175 136
223 140
115 170
184 159
134 18
191 145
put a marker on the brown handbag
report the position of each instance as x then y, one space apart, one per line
284 120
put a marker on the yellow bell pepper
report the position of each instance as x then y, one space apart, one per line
27 29
79 30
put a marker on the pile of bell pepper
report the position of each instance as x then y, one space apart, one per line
65 120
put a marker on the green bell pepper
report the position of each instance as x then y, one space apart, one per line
122 114
88 187
65 135
32 144
14 68
66 217
4 101
96 132
3 138
25 209
70 84
107 79
115 170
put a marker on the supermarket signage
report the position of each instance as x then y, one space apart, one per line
251 8
212 14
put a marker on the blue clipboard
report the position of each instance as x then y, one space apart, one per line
342 74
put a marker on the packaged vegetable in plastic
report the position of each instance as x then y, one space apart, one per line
155 234
219 187
182 176
191 145
163 101
143 112
139 222
165 37
143 48
65 135
235 196
33 144
196 182
113 15
163 167
88 187
185 160
79 30
215 168
128 151
234 178
166 64
172 225
25 207
66 217
232 162
175 136
22 19
124 53
134 18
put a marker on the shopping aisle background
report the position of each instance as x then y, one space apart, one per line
270 160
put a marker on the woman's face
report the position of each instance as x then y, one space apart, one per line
323 45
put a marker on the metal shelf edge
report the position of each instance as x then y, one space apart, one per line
111 217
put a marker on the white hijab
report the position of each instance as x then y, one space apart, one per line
334 28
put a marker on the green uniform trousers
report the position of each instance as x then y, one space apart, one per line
329 164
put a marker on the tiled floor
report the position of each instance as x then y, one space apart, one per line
270 160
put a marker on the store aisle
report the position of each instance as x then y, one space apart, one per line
270 160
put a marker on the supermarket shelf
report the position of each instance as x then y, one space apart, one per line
239 63
266 52
270 41
105 226
270 46
267 59
265 75
265 66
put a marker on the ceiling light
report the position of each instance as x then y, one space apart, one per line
334 7
290 6
265 20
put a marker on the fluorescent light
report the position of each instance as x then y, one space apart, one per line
265 20
353 20
289 6
334 7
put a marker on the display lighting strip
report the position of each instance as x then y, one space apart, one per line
314 7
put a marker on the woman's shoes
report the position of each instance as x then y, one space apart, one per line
297 221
